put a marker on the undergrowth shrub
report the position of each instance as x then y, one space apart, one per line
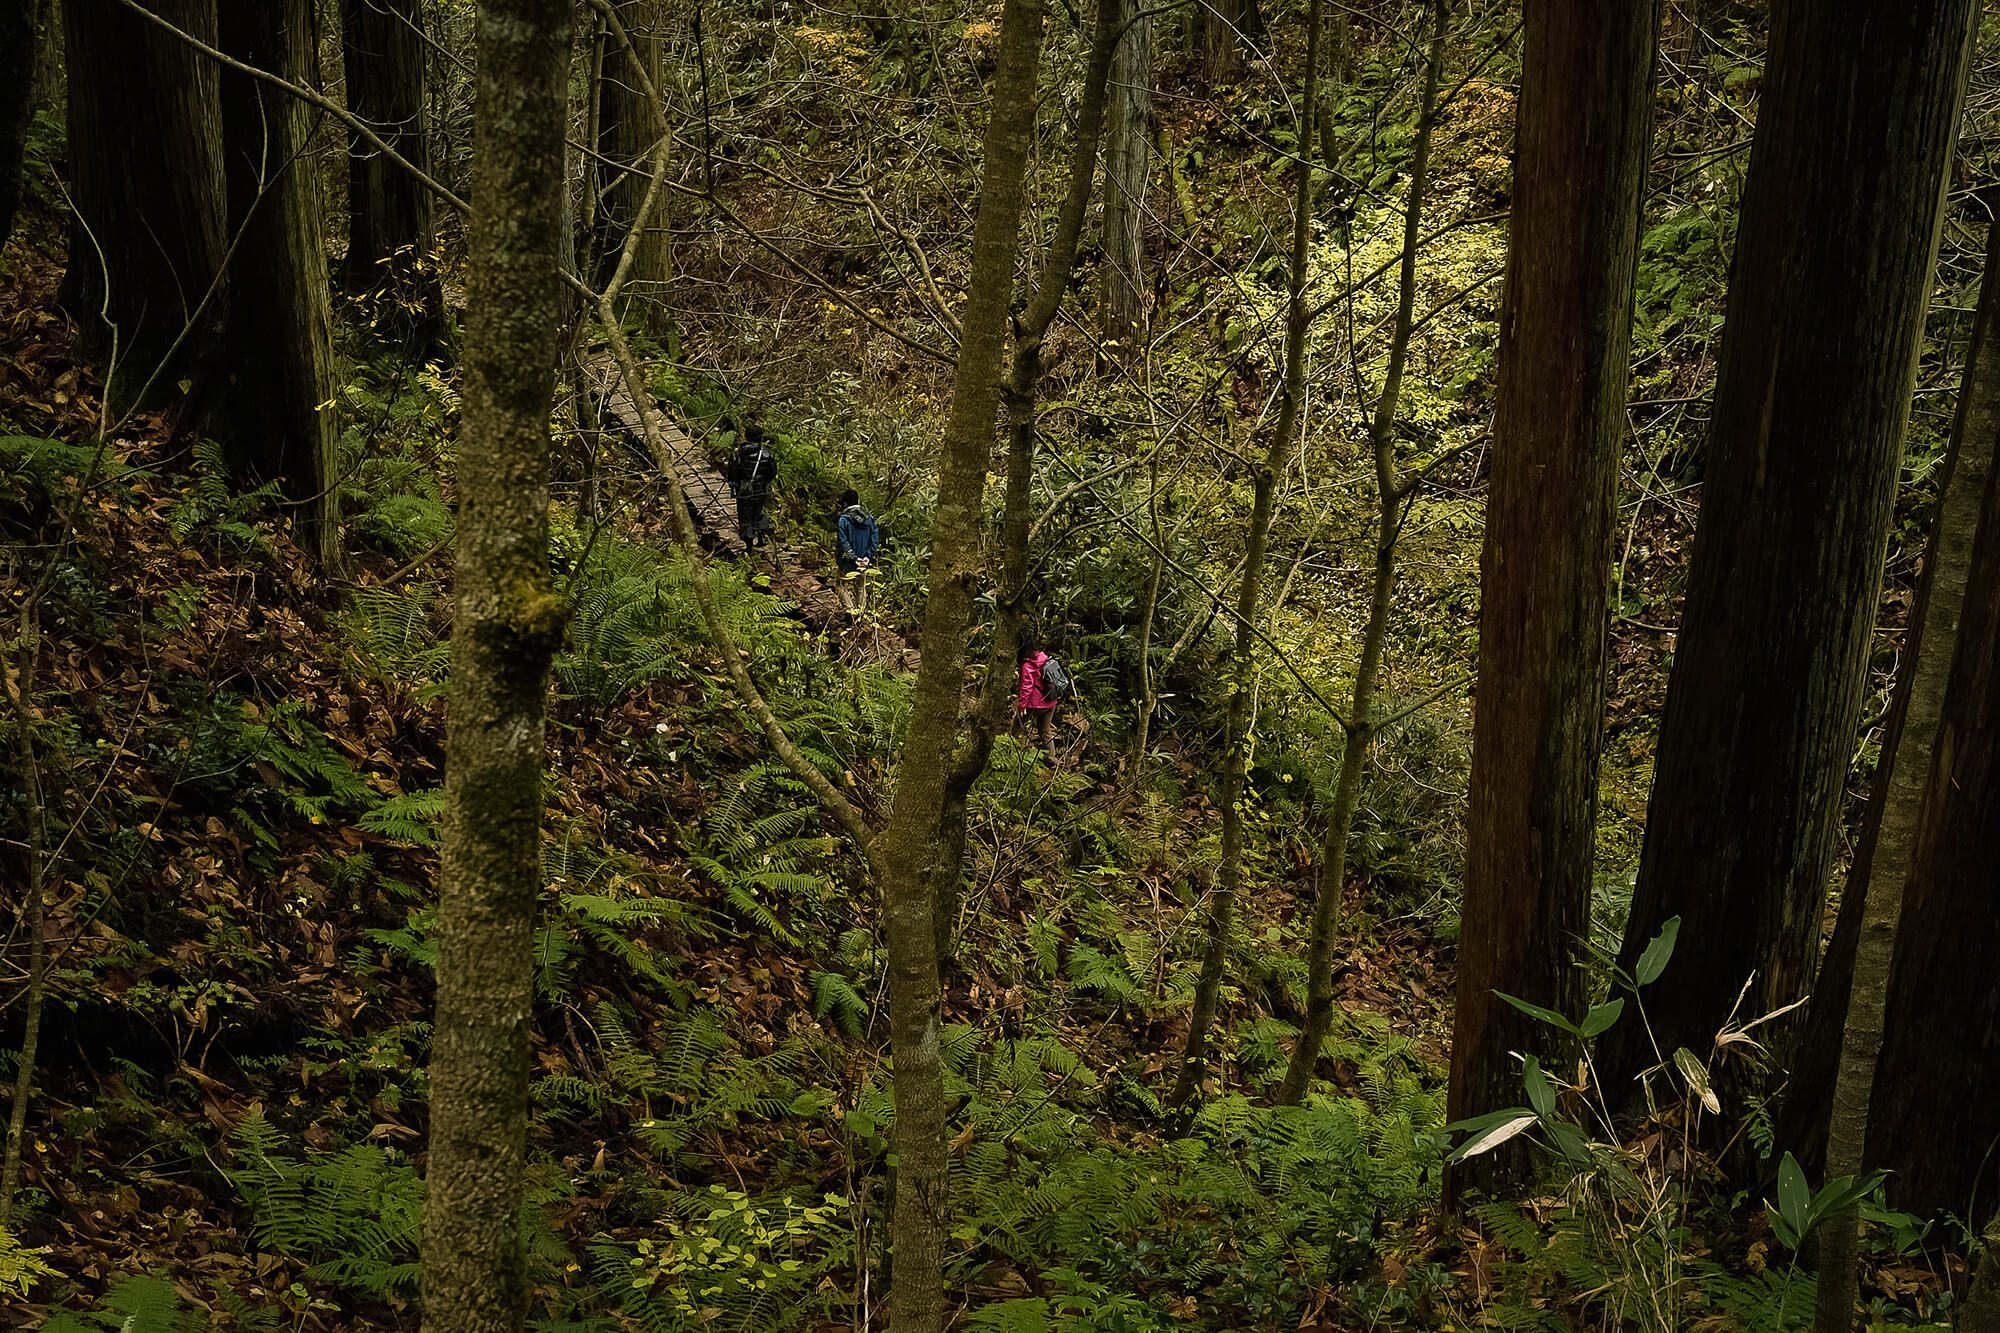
354 1216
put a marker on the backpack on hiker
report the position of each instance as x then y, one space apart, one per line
753 469
1056 683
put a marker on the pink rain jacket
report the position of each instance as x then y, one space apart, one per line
1031 684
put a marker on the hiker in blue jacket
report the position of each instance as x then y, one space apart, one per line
857 538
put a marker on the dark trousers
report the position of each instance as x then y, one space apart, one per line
751 525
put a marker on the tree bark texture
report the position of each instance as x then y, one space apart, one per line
909 847
625 139
1935 1112
1221 29
1582 130
391 261
18 51
280 331
507 625
1241 666
1843 1035
145 149
1127 169
1812 398
1010 589
1392 496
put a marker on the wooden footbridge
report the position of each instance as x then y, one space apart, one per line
713 510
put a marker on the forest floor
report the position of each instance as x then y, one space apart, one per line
231 1082
231 930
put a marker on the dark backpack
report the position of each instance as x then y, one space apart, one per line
755 468
1056 683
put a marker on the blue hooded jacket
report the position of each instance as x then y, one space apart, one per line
860 535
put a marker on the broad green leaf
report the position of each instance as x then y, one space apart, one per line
1794 1194
1658 951
1697 1080
1535 1011
1569 1141
1602 1017
1479 1124
1494 1137
1540 1094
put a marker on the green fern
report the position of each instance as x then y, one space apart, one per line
213 507
395 634
135 1304
353 1216
415 817
834 996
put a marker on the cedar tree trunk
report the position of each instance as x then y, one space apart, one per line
391 260
506 627
145 150
1935 1113
1832 268
280 333
625 138
1127 168
1581 133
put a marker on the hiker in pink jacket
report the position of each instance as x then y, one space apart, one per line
1032 698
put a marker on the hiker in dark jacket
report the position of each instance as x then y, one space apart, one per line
857 538
752 468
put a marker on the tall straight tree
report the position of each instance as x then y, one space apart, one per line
909 848
280 329
1582 127
1249 592
1127 167
390 235
1833 263
1935 1114
1843 1036
506 628
144 280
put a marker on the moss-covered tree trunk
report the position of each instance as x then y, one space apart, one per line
145 151
1392 496
1843 1035
280 331
506 627
1017 509
1580 144
1182 1099
390 240
1832 270
908 849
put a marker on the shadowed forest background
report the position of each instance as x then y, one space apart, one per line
1510 481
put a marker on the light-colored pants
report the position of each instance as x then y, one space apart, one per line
852 587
